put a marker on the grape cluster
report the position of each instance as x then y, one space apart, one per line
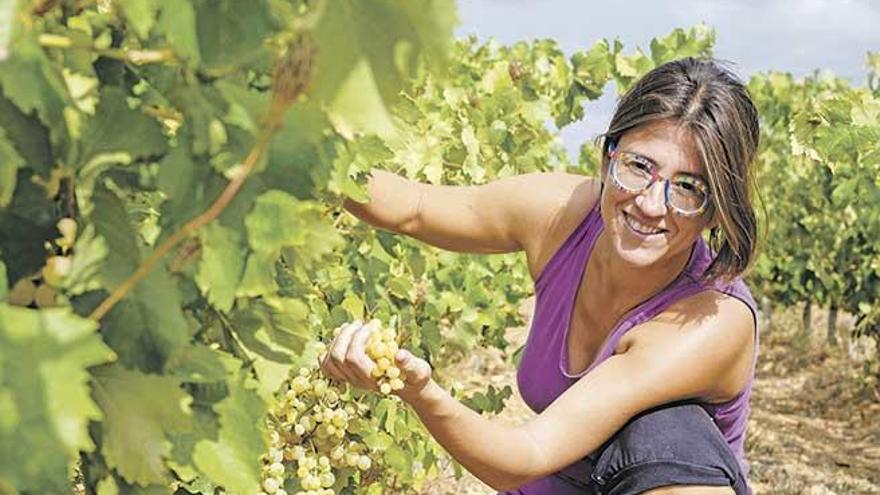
39 289
381 348
312 437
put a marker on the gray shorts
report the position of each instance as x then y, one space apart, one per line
676 444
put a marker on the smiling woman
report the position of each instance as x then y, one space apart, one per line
641 353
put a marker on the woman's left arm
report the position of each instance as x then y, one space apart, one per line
701 348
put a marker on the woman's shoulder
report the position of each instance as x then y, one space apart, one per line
565 200
718 319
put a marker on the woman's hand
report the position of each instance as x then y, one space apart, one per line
346 360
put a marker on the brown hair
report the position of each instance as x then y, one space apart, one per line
707 99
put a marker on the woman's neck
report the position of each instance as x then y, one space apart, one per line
624 286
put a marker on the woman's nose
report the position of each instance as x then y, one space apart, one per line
652 201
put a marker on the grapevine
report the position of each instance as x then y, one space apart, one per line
174 248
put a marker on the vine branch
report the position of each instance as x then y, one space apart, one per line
132 55
226 197
292 74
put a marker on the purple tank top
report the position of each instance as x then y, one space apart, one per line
543 371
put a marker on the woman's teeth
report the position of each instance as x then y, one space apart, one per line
640 227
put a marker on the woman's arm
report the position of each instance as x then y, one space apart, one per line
703 351
505 215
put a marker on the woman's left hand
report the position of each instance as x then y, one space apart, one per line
346 360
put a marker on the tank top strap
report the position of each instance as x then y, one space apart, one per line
575 246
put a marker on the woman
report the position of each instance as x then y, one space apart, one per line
642 349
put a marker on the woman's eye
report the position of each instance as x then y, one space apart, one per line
642 167
689 187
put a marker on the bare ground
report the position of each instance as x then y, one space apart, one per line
815 424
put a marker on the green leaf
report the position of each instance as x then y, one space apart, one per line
201 364
592 69
118 128
696 42
221 265
146 326
397 459
354 306
233 460
4 281
45 403
29 137
259 276
177 22
31 81
90 251
205 427
141 415
375 46
275 222
141 14
230 32
401 287
10 162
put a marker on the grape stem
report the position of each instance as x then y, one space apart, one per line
271 125
134 56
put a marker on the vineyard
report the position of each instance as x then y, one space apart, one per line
175 253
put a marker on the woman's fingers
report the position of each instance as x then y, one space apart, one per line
330 369
417 370
356 357
339 349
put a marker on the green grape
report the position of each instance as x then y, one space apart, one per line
312 438
22 293
57 267
382 347
67 227
44 296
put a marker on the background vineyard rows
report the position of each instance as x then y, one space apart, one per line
133 117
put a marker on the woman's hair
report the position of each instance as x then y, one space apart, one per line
708 100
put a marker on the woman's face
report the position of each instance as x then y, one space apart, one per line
642 229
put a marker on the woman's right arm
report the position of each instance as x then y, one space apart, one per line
510 214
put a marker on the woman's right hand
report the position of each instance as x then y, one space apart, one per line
346 360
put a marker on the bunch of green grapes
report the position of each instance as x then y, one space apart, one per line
314 445
381 348
39 289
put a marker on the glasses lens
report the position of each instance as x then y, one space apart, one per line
632 173
688 195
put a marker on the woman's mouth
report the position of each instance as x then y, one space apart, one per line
641 228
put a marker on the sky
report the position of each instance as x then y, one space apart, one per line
796 36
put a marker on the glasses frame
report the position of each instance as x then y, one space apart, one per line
655 176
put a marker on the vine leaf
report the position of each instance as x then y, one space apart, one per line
10 162
230 32
221 265
374 47
118 128
29 79
177 21
233 459
148 326
29 137
141 14
45 403
137 428
201 364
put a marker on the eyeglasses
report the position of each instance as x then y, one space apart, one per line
685 195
